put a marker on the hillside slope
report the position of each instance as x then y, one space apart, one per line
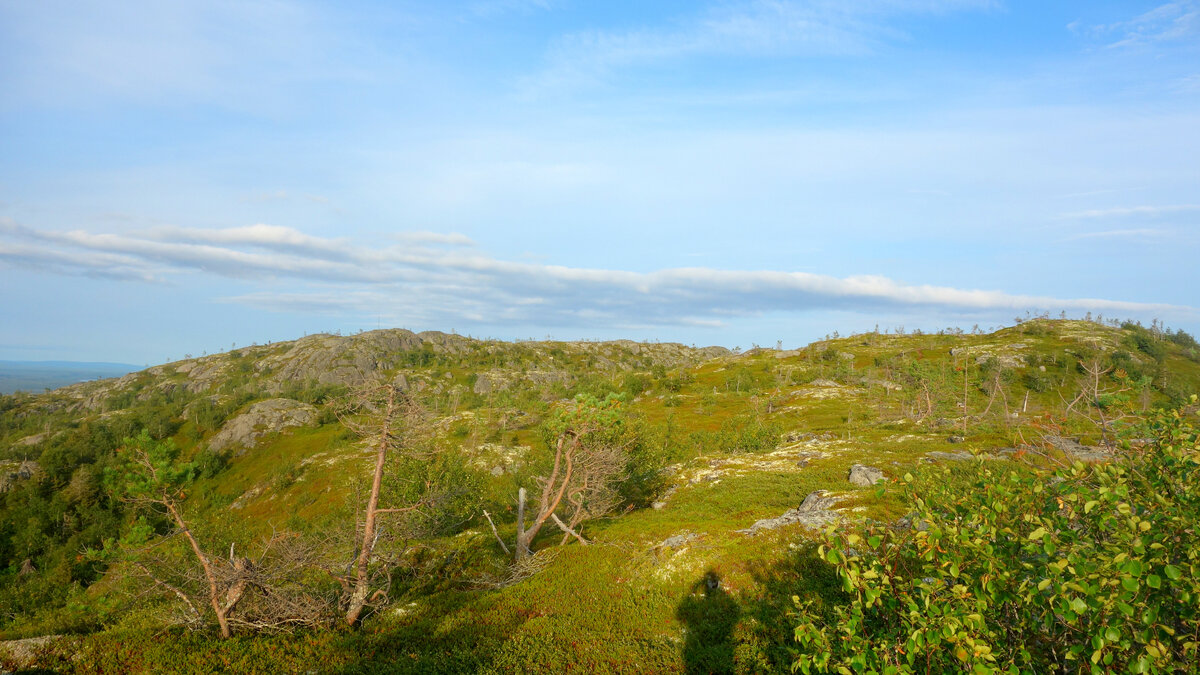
744 458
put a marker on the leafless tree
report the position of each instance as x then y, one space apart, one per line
392 423
1095 398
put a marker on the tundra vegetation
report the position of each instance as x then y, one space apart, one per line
1019 501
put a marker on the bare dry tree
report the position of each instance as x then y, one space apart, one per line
1095 399
587 462
287 591
392 423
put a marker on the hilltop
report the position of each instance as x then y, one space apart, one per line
737 462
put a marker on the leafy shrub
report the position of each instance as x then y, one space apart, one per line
1086 569
1038 381
1146 342
677 380
635 383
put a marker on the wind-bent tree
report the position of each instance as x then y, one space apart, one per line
149 476
590 457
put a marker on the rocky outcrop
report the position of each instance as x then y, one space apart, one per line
24 653
265 417
864 476
815 512
13 472
498 380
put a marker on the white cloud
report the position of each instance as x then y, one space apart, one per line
1168 22
1125 211
753 28
1138 233
437 238
443 287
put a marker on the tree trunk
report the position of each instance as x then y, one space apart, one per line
358 599
214 595
550 500
522 544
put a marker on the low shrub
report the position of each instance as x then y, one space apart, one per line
1083 569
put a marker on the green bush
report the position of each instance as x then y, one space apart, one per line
1084 569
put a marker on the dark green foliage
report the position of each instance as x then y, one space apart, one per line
1145 341
1038 381
1088 569
635 383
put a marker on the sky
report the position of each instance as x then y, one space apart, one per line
181 177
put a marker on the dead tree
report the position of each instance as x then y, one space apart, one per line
390 421
1095 401
589 458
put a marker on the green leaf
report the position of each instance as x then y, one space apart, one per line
1173 573
1154 581
1037 534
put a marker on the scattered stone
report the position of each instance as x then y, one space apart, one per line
678 541
864 476
911 523
23 471
662 501
22 653
957 439
815 512
822 382
960 456
1076 450
269 416
32 440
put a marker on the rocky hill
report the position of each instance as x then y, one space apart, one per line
733 462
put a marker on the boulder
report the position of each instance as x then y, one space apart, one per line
815 512
265 417
9 475
864 476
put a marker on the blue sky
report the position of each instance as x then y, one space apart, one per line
178 177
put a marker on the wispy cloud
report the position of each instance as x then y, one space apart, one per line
447 286
1169 22
1126 211
436 238
754 28
490 8
1137 233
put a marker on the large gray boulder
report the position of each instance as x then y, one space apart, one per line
815 512
265 417
864 476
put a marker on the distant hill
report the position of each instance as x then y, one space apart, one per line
36 376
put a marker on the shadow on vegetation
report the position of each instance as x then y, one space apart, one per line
753 633
425 643
767 636
709 616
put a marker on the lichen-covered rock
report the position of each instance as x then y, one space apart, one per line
11 472
864 476
31 440
486 383
265 417
815 512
